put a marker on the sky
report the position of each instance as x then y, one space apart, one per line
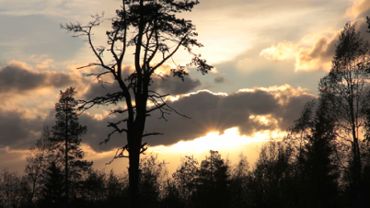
268 58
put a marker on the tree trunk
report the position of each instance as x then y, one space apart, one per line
134 169
134 140
134 175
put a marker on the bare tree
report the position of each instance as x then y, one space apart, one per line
152 30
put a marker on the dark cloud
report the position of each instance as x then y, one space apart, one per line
100 89
16 130
15 78
97 132
324 48
210 111
174 85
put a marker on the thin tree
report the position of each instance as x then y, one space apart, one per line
153 31
347 82
66 136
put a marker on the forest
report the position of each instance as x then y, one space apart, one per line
323 161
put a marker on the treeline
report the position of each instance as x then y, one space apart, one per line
282 177
324 161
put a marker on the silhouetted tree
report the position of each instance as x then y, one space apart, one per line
66 139
185 179
212 188
153 31
347 83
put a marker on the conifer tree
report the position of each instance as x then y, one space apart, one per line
66 136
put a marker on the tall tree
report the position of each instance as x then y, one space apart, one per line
66 136
155 33
347 82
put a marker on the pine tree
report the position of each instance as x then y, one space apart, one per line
66 136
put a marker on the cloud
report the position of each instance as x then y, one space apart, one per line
321 53
279 52
174 85
312 52
18 78
317 57
243 109
17 130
